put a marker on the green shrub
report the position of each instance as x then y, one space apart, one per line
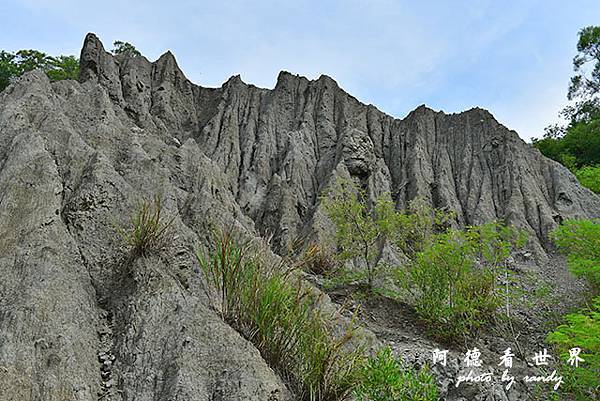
363 230
147 231
580 241
589 177
357 234
452 296
275 311
384 378
581 330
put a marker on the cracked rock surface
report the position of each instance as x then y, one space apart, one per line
78 321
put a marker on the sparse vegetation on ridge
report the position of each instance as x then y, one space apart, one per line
13 65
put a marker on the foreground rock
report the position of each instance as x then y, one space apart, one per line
77 157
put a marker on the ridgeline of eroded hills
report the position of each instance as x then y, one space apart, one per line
76 157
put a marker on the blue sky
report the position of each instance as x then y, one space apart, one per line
511 57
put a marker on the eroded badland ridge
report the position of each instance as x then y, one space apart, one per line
76 157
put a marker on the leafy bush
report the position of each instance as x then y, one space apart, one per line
363 231
276 312
582 330
384 378
147 229
357 233
580 241
589 177
452 296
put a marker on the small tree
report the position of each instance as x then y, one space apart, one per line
125 48
357 230
363 231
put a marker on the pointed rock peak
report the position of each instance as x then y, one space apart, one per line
93 58
480 112
422 110
287 79
167 63
235 79
327 79
92 43
167 58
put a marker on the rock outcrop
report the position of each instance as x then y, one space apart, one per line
76 157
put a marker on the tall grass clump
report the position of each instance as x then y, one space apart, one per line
147 229
270 306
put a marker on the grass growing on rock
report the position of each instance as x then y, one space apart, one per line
147 229
276 312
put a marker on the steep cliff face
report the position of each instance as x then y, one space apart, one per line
75 157
278 148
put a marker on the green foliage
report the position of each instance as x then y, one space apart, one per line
580 241
493 242
586 81
8 68
578 144
384 378
589 177
125 48
356 226
16 64
276 313
361 232
452 296
147 231
63 67
581 330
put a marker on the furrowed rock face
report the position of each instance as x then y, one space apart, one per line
76 157
279 148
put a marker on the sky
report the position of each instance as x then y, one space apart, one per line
513 58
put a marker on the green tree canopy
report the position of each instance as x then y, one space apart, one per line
125 48
13 65
577 144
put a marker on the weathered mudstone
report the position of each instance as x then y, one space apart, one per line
77 157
